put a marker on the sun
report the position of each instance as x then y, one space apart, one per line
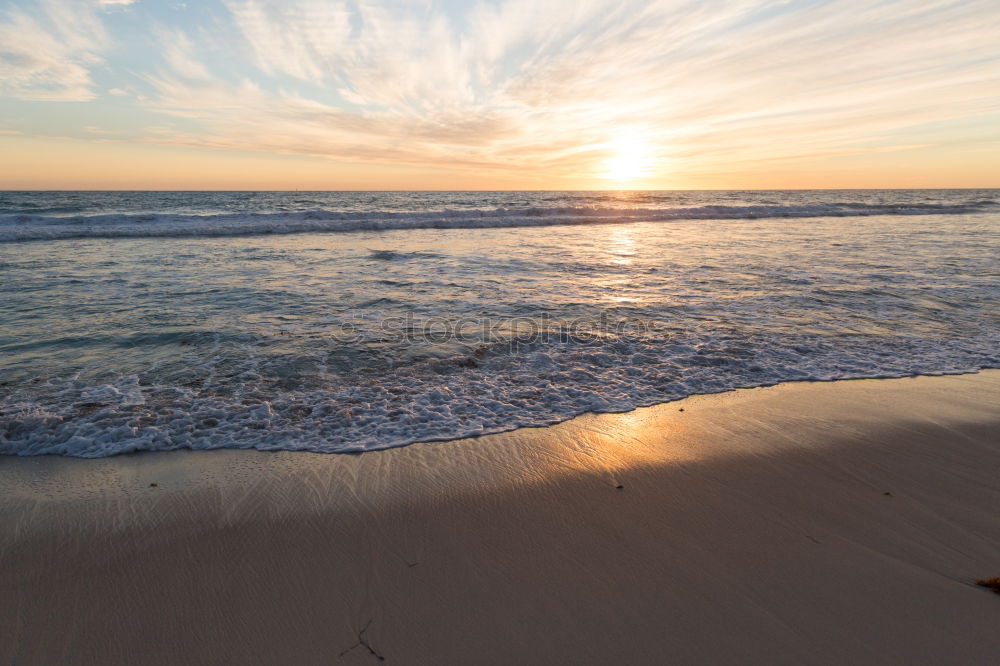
629 160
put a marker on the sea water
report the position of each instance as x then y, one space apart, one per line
353 321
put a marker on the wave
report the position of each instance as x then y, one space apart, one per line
396 255
489 390
28 227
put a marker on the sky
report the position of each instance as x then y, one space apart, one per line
499 94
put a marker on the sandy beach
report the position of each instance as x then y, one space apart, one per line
807 523
499 333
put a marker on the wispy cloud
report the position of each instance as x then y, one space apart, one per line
550 87
48 48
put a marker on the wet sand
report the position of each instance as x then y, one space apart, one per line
819 523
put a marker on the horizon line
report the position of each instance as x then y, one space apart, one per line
714 189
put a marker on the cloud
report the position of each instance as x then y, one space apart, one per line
47 51
546 87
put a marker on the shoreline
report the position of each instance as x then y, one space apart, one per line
519 427
807 522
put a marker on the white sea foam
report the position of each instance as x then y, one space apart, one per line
26 227
532 385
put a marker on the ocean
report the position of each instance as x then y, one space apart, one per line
355 321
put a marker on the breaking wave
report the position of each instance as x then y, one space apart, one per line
27 227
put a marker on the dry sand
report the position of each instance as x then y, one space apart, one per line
805 523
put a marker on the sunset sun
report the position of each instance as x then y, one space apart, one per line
628 160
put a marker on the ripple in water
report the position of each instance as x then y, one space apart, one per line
382 337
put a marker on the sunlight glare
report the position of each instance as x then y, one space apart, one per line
629 160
